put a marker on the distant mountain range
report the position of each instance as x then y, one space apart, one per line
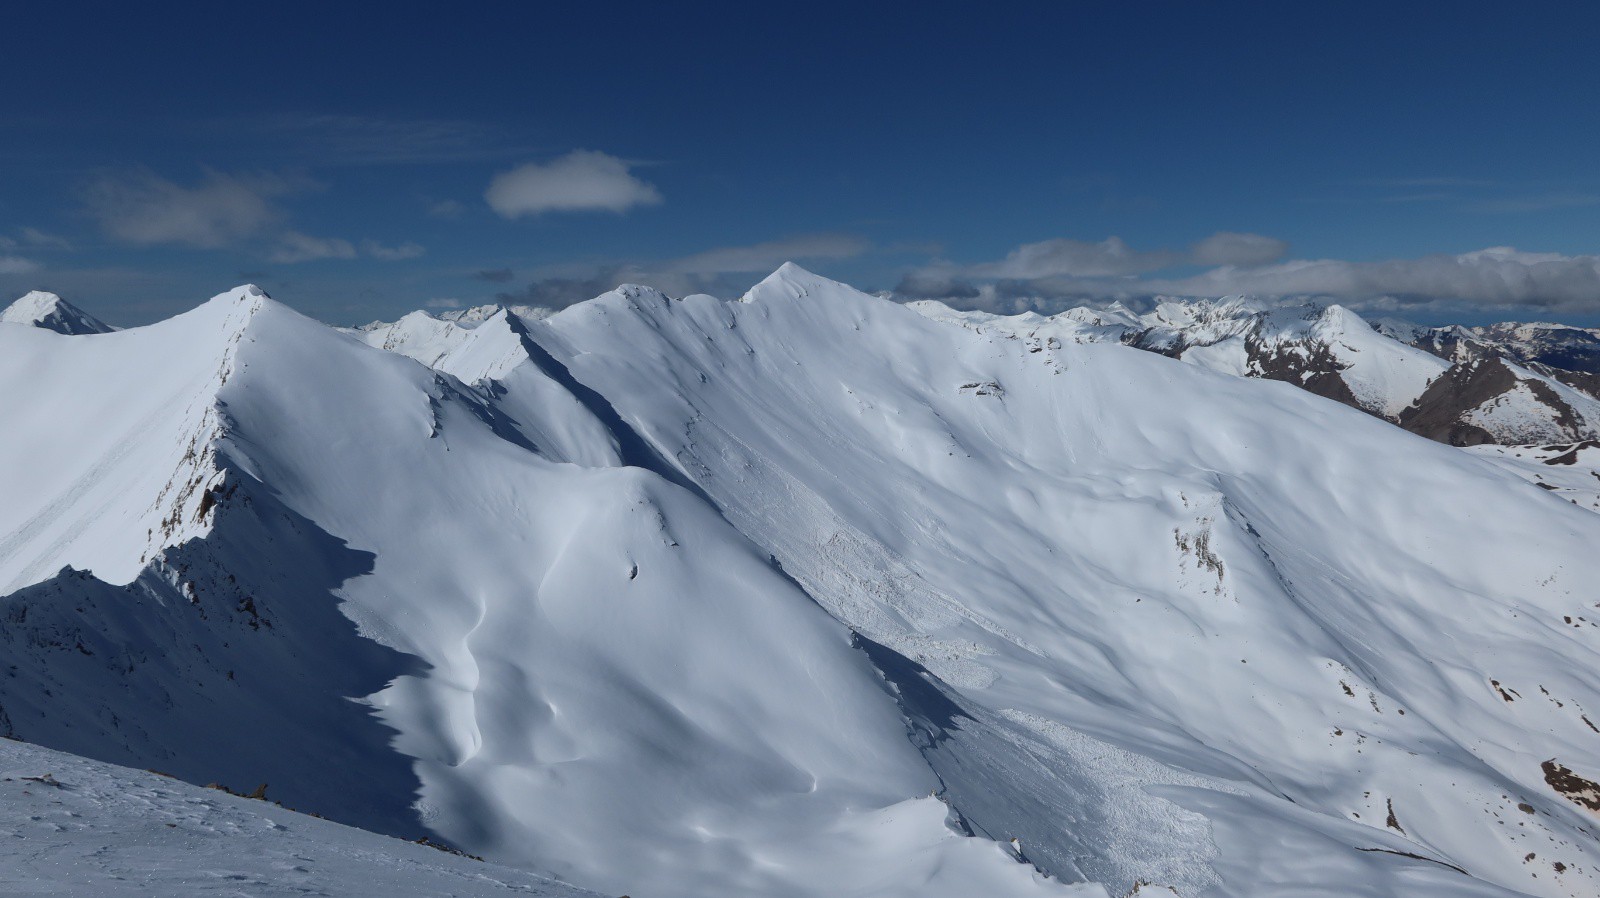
1504 384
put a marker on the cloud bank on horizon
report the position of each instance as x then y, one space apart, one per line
1056 274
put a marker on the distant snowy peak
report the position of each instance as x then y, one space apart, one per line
1559 345
51 312
1568 354
477 314
432 339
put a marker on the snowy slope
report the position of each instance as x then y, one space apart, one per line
577 668
1570 471
51 312
1293 606
81 828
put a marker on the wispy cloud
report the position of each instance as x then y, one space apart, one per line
494 275
583 180
1468 195
447 209
294 247
33 238
1418 183
17 265
396 253
1537 203
143 208
339 139
220 210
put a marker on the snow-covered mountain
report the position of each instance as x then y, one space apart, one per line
810 593
51 312
1503 384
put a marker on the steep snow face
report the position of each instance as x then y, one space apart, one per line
76 827
117 458
53 313
577 667
1189 609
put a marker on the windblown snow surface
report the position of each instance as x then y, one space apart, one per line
802 594
75 827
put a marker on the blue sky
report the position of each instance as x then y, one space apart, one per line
359 162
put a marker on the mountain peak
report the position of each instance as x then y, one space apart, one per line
791 281
49 311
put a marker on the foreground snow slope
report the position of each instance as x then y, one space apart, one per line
1343 630
69 826
574 668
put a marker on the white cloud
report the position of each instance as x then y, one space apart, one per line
296 247
582 180
17 265
391 253
145 209
443 303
